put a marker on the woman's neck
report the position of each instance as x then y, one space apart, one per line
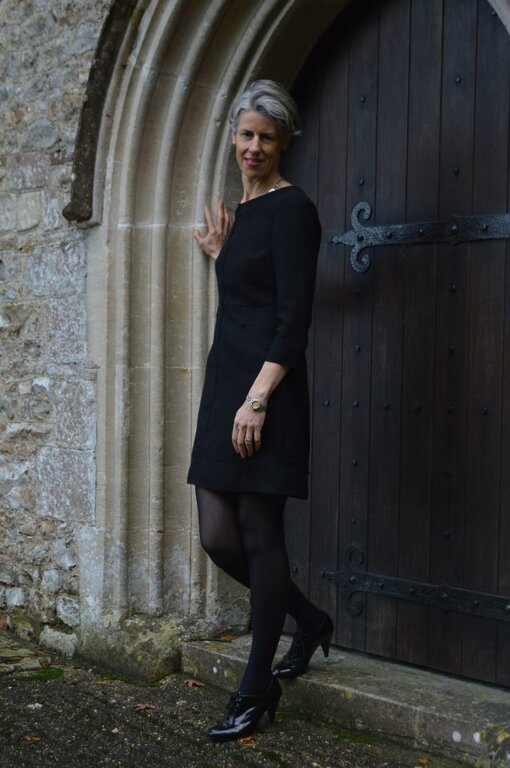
257 187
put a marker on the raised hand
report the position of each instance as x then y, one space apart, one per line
217 232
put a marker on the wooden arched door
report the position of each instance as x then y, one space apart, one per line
406 107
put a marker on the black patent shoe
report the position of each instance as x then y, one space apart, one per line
244 711
296 660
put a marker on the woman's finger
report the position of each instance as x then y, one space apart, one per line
208 218
257 439
242 448
238 435
249 442
221 215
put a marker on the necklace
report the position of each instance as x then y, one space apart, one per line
276 184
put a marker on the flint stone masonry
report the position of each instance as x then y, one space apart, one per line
47 385
68 611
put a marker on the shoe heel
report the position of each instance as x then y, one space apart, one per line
325 645
272 707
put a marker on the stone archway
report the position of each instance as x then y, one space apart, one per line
162 152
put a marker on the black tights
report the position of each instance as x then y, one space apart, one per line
243 534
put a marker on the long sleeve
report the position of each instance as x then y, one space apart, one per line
295 240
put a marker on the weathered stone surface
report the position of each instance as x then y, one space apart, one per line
7 575
28 171
15 597
66 329
58 641
74 498
75 424
63 554
7 213
52 205
55 270
14 479
38 552
51 581
28 211
68 611
46 394
41 135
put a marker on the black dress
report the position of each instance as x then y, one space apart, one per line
266 278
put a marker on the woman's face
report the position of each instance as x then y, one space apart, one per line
258 147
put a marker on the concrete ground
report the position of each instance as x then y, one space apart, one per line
53 713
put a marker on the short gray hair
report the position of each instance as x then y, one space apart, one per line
273 101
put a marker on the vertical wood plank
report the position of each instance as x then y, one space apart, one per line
419 322
392 126
486 325
503 633
503 636
327 394
452 328
363 23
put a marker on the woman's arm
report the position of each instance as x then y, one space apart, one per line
217 233
295 243
246 432
296 238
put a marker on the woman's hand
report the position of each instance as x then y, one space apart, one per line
247 429
214 239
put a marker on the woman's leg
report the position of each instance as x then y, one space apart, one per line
261 526
219 532
220 535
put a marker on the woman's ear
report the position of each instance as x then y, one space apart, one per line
233 137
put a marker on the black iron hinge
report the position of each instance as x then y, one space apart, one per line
353 581
458 229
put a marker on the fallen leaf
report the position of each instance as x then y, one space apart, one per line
192 683
144 706
99 682
227 638
424 761
31 739
247 741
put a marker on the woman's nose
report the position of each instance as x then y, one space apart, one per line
255 144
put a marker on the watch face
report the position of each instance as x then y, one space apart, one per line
255 405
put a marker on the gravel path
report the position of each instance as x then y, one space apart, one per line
69 716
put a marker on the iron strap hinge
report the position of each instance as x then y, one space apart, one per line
458 229
354 581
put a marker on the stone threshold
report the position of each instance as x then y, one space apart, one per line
465 721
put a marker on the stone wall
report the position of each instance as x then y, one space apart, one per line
47 387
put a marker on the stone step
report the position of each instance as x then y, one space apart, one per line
16 657
465 721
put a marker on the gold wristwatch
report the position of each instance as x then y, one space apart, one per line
255 403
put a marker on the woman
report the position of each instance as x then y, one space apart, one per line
252 440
